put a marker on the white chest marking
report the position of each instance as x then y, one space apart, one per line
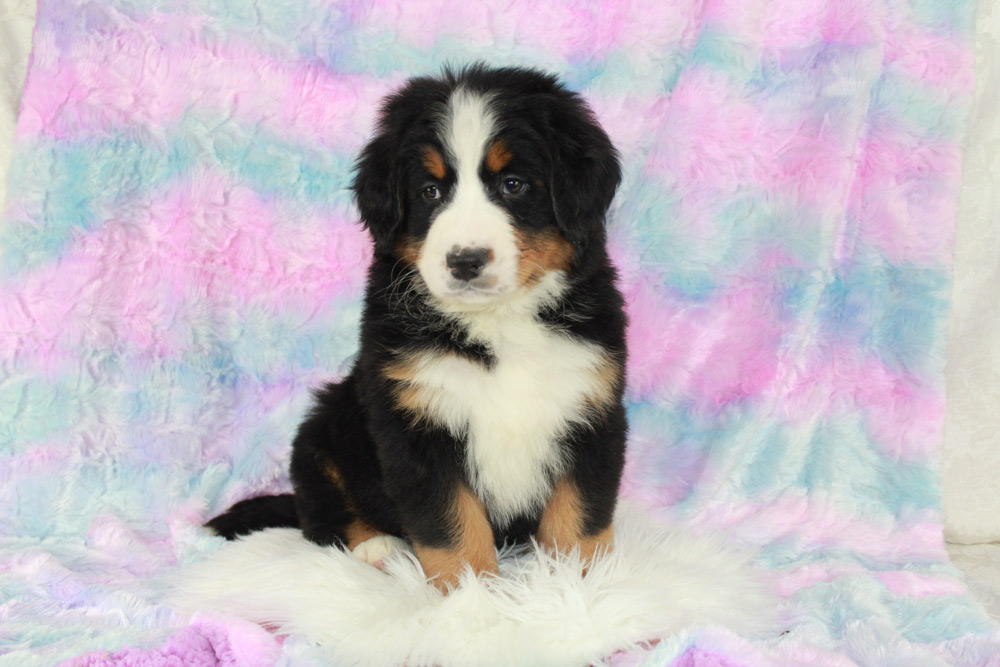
512 415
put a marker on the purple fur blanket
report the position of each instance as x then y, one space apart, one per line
180 261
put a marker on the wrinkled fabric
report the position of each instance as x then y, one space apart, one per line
180 262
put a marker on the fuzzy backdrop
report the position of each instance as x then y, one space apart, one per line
180 261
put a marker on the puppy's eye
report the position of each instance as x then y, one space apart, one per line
513 186
431 192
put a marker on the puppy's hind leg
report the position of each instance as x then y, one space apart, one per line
336 476
329 516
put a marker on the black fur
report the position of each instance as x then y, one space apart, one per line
399 477
255 514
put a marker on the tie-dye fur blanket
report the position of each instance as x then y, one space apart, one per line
180 262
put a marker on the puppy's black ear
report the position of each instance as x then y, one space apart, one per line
378 188
585 169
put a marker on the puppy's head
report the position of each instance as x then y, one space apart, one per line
486 181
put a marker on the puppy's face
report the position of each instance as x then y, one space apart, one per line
468 182
479 223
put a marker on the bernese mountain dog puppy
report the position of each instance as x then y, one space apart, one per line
485 405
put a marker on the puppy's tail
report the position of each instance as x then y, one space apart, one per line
255 514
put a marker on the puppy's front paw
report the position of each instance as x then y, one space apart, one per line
375 550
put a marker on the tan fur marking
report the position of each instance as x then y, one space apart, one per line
595 544
474 544
403 370
608 377
359 531
434 162
414 399
540 253
561 527
498 156
409 250
333 474
410 397
562 522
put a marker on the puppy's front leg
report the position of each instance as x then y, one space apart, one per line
471 541
565 524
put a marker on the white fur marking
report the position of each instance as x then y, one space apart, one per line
376 549
469 219
513 415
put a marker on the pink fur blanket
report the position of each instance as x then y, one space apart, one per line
180 262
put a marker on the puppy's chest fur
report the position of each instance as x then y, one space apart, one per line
512 415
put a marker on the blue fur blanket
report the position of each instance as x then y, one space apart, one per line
180 261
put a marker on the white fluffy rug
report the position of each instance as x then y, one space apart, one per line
540 611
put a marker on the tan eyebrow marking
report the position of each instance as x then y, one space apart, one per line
498 156
434 162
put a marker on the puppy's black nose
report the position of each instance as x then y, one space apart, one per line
467 263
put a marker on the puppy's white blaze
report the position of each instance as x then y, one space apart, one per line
469 219
467 127
513 415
